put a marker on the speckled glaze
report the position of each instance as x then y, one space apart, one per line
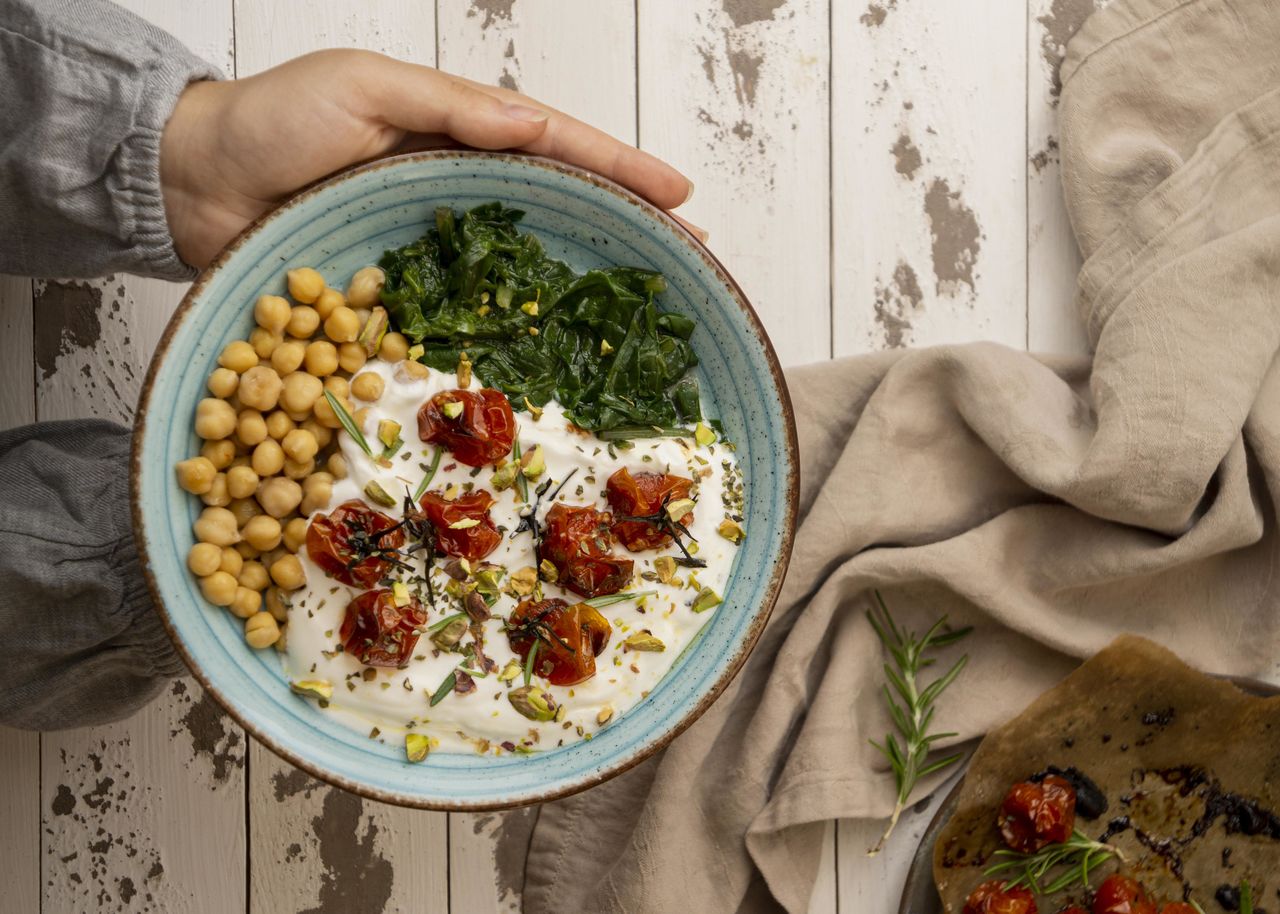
346 223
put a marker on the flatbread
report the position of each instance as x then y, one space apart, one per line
1192 761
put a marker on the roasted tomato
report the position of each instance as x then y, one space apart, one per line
351 545
639 496
1035 814
993 898
377 632
576 540
452 520
569 638
1122 895
480 433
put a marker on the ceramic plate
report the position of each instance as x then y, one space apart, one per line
346 223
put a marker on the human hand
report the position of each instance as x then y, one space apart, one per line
232 150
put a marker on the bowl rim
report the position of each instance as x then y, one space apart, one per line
763 612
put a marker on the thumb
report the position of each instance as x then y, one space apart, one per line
423 100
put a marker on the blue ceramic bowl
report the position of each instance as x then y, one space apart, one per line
346 223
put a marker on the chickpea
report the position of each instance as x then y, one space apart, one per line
361 417
217 496
242 482
351 357
365 286
305 284
262 532
303 323
219 588
367 386
247 552
271 312
279 424
394 348
217 526
279 496
323 436
268 458
196 475
276 605
325 414
245 509
288 356
260 630
241 461
230 561
260 388
328 300
204 559
409 370
322 358
362 315
299 470
301 391
274 556
337 465
219 453
315 496
342 325
238 356
251 428
295 534
264 342
287 573
246 602
222 382
215 419
300 417
254 576
338 386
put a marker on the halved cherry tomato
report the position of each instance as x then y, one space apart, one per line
377 632
642 495
1122 895
468 541
350 545
583 630
480 434
1036 814
577 541
993 898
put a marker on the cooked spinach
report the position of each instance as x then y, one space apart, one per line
533 328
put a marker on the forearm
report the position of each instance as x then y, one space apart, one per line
85 91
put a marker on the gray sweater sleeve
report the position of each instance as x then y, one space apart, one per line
85 90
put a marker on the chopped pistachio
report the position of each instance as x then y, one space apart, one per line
665 566
643 641
464 371
549 572
416 352
533 464
530 308
400 593
605 715
523 581
605 348
703 435
313 688
692 547
465 524
451 492
732 531
416 746
448 637
705 599
375 328
458 569
504 477
388 432
679 508
452 409
510 671
378 495
533 703
534 411
483 310
489 580
533 331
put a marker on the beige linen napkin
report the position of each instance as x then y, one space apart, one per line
1050 503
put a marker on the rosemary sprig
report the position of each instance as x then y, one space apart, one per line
626 432
612 598
431 474
528 661
344 418
913 715
522 484
1246 898
432 629
445 688
1078 856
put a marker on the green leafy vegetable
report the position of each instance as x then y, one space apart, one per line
533 328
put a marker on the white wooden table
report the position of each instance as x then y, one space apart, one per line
874 175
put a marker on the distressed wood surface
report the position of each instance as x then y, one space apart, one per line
874 174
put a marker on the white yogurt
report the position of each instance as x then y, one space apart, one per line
483 720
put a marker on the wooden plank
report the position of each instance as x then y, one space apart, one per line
1053 323
19 749
130 810
826 891
735 93
321 849
523 46
929 174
